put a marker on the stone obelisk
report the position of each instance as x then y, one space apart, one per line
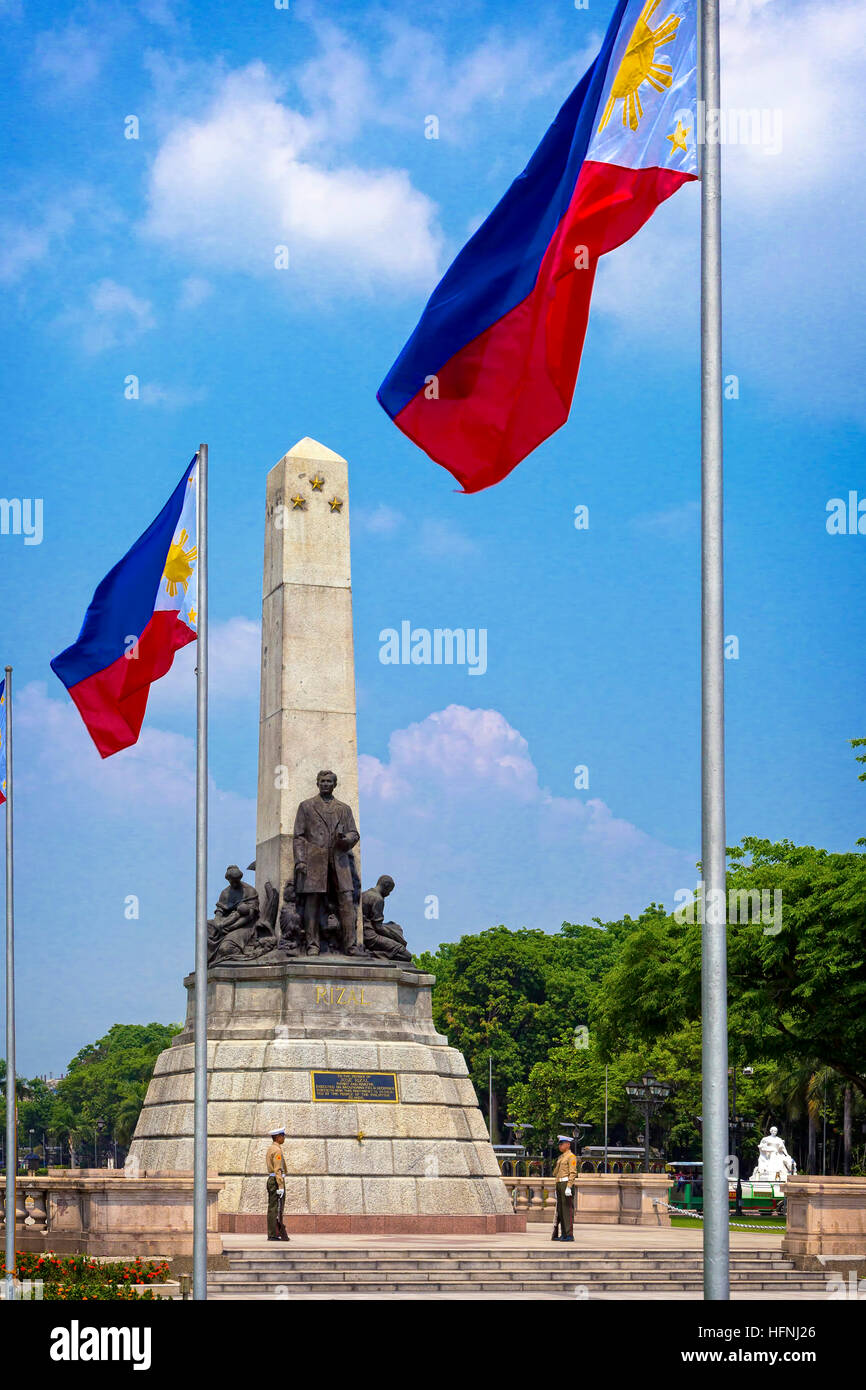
307 713
384 1129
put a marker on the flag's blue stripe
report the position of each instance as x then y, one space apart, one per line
498 267
123 604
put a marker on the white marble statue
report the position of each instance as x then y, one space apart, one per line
775 1164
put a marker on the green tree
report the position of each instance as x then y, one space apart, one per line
570 1085
796 992
105 1085
36 1111
515 995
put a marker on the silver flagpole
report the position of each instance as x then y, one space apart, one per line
714 1004
199 1256
11 1096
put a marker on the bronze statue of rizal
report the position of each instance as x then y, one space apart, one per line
325 834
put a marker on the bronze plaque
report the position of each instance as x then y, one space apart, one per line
368 1086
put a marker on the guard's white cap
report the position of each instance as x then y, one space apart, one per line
275 1132
563 1138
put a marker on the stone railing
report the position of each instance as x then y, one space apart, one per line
618 1199
104 1211
534 1198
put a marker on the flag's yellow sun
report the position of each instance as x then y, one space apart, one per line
179 565
639 65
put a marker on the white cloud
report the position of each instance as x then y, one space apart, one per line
21 247
235 653
442 540
380 521
106 874
804 61
194 291
171 397
150 785
42 227
37 231
160 12
790 256
249 176
112 316
420 75
70 58
407 72
677 522
433 538
457 810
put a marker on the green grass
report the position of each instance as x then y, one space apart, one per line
772 1223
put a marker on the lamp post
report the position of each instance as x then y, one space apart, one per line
519 1132
647 1095
576 1131
518 1128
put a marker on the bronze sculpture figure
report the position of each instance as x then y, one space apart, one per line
324 836
382 939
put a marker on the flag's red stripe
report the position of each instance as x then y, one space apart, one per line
511 387
113 701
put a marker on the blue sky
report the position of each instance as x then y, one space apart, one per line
154 257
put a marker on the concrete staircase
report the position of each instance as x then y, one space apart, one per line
284 1271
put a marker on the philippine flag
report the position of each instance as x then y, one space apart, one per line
489 372
144 610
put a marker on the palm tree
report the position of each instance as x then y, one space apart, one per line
128 1111
807 1090
791 1091
22 1090
68 1126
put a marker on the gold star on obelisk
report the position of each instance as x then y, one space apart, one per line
298 501
678 139
335 504
317 483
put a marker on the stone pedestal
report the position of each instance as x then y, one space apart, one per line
422 1162
622 1199
826 1224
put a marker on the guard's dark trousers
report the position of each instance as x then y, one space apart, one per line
275 1202
564 1210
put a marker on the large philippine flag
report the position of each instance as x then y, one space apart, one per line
141 614
489 372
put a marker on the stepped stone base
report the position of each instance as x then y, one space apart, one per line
422 1163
